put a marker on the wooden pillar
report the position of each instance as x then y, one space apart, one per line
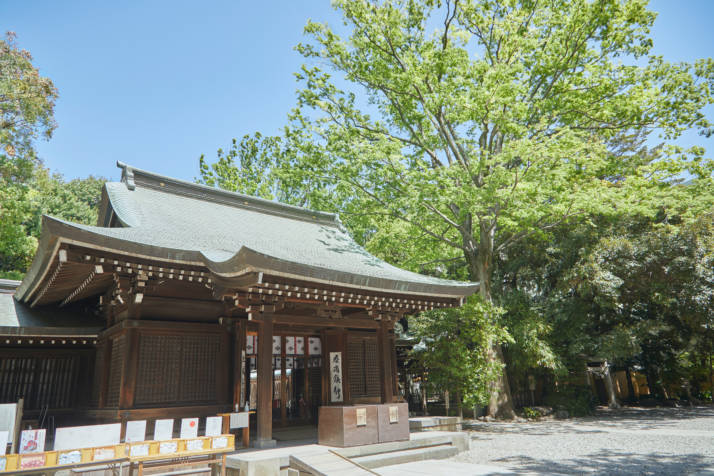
129 370
385 354
283 384
238 363
265 383
106 362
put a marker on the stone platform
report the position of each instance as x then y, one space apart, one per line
277 461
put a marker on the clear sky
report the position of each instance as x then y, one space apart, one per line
157 83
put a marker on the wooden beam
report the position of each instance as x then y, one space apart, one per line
96 270
294 320
61 260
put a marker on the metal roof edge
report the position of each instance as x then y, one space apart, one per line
132 176
9 284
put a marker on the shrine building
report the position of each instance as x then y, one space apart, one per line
187 300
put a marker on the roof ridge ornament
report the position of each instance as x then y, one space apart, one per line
127 175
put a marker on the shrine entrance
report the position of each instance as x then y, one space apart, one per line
297 377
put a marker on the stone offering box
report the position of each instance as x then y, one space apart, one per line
357 425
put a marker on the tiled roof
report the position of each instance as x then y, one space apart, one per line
229 232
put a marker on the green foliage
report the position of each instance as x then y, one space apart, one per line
27 189
532 413
26 104
454 347
454 136
23 204
577 400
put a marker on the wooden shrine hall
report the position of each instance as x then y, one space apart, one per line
192 301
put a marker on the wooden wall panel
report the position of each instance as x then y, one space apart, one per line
180 369
158 373
46 378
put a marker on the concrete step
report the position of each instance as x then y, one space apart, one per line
379 448
406 456
327 464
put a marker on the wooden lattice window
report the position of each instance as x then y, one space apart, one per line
47 381
177 369
363 367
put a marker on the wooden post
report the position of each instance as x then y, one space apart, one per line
385 352
283 385
238 363
18 421
265 383
129 370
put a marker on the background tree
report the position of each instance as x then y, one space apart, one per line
451 343
27 189
479 124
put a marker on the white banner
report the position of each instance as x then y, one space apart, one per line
336 376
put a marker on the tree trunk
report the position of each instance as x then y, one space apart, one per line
480 259
610 387
459 406
422 388
446 401
711 376
630 387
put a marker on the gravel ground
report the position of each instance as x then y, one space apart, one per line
629 441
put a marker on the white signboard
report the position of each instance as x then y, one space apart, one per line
163 430
135 431
7 419
73 437
335 376
220 442
239 420
276 345
167 447
194 445
70 457
3 442
394 414
213 425
189 428
139 450
32 441
361 417
101 454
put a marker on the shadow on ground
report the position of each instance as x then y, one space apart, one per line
610 462
632 418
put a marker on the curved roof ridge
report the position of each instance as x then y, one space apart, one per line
133 177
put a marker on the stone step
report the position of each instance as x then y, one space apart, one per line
406 456
379 448
327 464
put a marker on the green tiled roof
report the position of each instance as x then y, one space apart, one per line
229 232
18 319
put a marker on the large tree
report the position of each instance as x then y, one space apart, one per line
27 188
26 113
467 126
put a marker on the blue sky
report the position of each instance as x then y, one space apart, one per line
158 83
